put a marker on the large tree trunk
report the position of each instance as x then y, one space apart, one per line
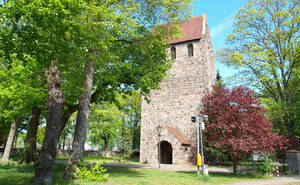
30 141
10 140
82 120
44 165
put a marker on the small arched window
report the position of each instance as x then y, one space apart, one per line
190 50
173 53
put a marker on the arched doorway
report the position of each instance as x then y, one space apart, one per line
165 153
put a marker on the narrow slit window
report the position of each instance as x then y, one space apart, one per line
190 50
173 53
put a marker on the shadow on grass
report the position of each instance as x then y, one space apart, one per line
115 171
15 174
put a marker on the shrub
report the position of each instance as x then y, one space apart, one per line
266 166
94 172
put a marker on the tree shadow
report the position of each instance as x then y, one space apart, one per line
115 171
14 174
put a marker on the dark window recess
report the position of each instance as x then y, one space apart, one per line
190 50
173 53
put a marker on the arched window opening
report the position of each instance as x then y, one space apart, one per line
173 53
190 50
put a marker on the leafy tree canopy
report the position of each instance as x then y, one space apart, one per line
265 44
237 123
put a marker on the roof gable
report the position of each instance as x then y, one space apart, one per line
191 29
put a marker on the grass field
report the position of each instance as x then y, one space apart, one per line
13 173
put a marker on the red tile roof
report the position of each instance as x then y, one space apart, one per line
191 29
178 135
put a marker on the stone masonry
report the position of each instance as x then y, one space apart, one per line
179 98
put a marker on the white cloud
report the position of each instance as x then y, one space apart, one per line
222 26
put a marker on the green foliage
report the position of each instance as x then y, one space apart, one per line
116 123
214 155
40 134
121 39
104 121
265 46
93 172
266 166
20 143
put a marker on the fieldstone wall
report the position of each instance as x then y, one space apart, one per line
179 98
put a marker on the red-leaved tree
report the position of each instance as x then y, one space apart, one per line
237 124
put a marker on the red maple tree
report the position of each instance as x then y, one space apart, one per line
237 124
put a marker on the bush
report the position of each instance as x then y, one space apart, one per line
266 166
94 172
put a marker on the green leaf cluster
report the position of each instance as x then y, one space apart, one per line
93 172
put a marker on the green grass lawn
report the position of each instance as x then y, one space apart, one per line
14 174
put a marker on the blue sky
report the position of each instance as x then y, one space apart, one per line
219 15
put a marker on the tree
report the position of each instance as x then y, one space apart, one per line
31 136
116 123
130 104
296 100
219 81
264 43
44 31
137 54
237 124
104 122
10 139
20 91
4 129
114 37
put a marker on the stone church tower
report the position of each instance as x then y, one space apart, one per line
179 97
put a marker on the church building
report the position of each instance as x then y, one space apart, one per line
191 76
